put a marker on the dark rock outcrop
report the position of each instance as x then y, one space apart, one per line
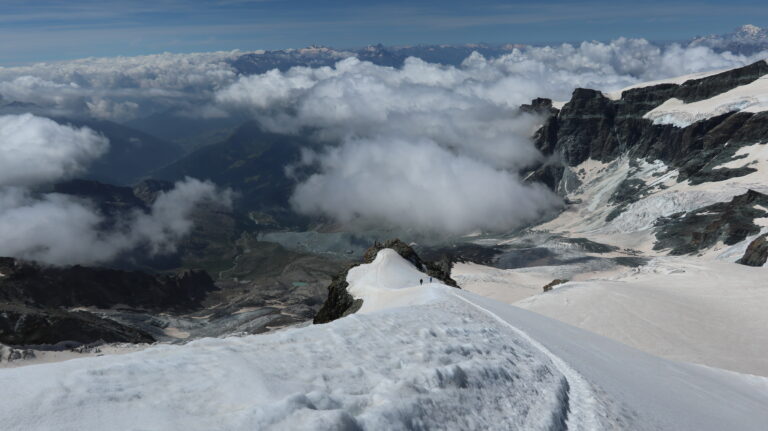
79 286
41 305
757 252
730 222
593 126
340 303
461 252
23 326
549 286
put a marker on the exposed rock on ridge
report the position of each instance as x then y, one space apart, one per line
757 252
729 222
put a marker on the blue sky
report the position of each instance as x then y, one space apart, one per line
34 30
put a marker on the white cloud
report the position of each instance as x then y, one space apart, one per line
119 88
37 150
464 116
438 147
170 217
61 229
418 185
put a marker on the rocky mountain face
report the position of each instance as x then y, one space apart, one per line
252 162
726 222
132 154
30 326
40 305
340 303
598 128
757 252
77 286
593 126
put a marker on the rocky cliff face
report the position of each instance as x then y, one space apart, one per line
79 286
340 303
729 222
675 184
24 326
593 126
39 305
757 252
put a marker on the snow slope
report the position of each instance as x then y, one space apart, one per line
752 97
680 308
654 393
634 227
430 357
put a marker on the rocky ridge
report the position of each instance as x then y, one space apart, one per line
726 222
593 126
612 131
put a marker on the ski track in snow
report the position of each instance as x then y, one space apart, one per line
581 399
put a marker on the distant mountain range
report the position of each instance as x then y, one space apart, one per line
394 56
745 40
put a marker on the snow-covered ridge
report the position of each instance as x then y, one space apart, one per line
444 360
390 281
752 97
424 360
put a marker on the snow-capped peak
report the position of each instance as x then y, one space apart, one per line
750 30
745 40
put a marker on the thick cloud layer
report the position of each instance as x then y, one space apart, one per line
452 119
438 148
120 88
61 229
37 150
418 185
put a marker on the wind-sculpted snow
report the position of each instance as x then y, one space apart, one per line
441 365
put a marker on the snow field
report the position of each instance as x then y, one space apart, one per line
752 97
437 363
438 359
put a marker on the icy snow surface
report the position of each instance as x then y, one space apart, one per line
752 97
430 357
634 227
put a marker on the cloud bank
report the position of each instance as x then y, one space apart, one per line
61 229
37 150
438 148
454 133
120 88
417 185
